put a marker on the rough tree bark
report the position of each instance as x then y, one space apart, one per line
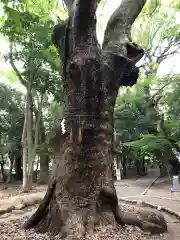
81 187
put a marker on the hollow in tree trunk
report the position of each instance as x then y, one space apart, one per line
81 188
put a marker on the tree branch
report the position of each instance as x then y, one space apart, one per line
118 30
164 56
158 95
69 4
118 46
14 66
84 21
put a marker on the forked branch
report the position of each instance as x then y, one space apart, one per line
118 46
117 38
14 66
84 20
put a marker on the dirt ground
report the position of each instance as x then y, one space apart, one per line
14 189
11 223
161 190
11 229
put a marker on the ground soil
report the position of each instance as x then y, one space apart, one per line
11 223
14 189
11 229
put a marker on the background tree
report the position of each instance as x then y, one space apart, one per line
143 104
12 117
34 61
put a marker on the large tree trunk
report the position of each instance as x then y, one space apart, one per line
81 187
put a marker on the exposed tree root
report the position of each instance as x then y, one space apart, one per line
36 217
150 221
107 197
75 223
50 221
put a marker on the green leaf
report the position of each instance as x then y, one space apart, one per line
2 19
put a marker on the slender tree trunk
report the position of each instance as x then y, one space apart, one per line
30 139
29 148
2 163
44 159
81 188
137 166
124 168
18 167
25 150
11 158
37 164
4 177
124 163
163 170
162 157
142 167
44 169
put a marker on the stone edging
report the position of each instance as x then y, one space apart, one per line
166 198
23 204
158 207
